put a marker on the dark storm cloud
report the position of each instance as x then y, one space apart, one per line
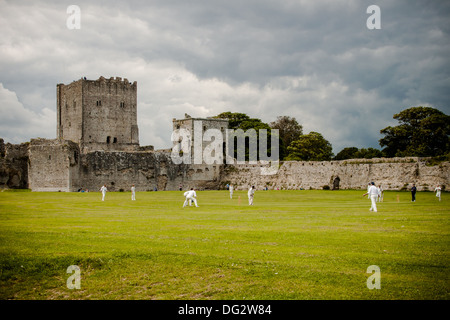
314 60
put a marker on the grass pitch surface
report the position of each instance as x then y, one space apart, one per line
289 245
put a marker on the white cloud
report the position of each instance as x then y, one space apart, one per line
18 124
313 60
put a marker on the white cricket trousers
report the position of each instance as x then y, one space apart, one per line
191 199
103 196
373 199
250 200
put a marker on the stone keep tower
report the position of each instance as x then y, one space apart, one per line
98 114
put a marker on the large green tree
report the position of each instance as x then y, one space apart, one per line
422 131
368 153
289 130
346 153
234 118
355 153
312 146
242 121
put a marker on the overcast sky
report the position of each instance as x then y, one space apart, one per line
313 60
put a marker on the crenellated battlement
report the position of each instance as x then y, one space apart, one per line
113 81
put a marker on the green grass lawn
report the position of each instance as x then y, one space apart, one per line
290 245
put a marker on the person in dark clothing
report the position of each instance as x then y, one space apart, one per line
413 193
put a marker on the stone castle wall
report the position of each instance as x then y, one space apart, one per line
58 165
53 165
13 165
390 173
146 170
98 143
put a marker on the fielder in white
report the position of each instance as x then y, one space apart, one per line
438 192
231 191
380 194
251 194
190 196
373 194
133 192
103 190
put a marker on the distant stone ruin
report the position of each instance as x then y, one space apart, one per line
98 143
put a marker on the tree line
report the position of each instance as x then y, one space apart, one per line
421 131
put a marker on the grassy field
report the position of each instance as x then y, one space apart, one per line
291 245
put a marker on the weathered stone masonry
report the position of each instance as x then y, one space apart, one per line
391 173
98 115
13 165
97 143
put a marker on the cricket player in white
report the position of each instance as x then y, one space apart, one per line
103 190
190 196
438 192
133 192
231 191
380 193
373 194
251 194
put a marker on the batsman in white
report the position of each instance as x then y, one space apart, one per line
373 195
231 191
190 195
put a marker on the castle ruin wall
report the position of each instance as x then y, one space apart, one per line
53 165
390 173
13 165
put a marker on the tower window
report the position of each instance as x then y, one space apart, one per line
99 103
115 140
108 139
122 104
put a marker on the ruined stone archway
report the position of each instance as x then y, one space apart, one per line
336 182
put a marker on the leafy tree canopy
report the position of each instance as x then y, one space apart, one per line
422 131
312 146
289 130
355 153
346 153
242 121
